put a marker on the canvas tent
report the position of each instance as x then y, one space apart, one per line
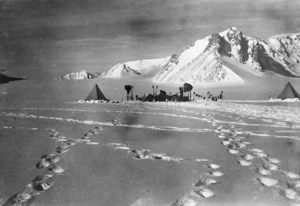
288 92
5 79
96 94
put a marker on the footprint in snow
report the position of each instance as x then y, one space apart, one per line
291 175
41 184
92 143
69 142
258 153
268 182
89 133
238 138
213 166
290 193
62 149
262 171
240 145
247 157
245 162
256 150
216 173
184 202
205 193
233 151
225 142
56 169
294 184
273 160
246 143
271 166
205 182
121 147
47 161
238 132
19 199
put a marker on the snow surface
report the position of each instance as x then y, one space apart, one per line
93 152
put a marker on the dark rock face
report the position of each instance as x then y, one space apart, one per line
127 69
235 41
224 48
244 56
268 64
257 52
174 59
172 62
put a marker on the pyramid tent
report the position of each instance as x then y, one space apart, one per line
288 92
5 79
96 94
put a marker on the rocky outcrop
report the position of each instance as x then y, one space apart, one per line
83 74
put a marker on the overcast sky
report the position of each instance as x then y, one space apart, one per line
123 30
153 18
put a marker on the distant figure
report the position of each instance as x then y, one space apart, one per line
181 92
129 88
221 95
208 95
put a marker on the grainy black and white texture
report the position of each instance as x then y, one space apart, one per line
58 151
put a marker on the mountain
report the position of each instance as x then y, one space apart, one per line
5 79
143 68
228 56
83 74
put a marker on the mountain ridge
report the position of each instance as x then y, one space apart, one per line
203 62
83 74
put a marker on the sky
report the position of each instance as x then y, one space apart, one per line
48 36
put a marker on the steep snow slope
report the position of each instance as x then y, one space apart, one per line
203 62
207 67
288 50
179 61
144 68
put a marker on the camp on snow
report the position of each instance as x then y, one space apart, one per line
288 92
96 94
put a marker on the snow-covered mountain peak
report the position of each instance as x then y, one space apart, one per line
204 61
83 74
231 33
140 68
